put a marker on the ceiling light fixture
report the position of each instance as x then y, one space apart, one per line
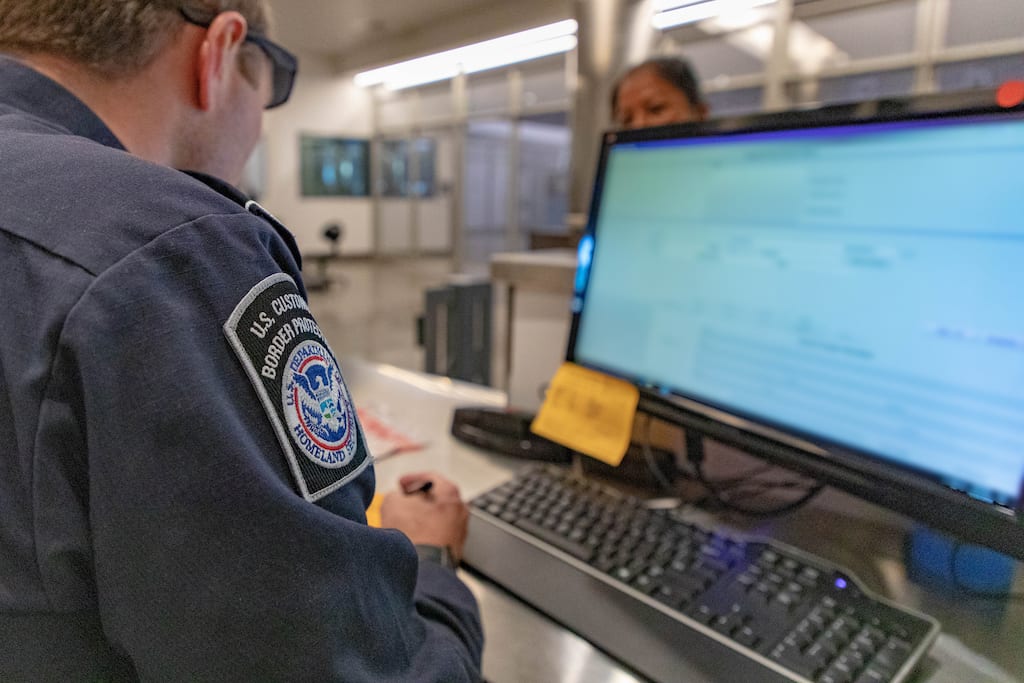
675 13
489 54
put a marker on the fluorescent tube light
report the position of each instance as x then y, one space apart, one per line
665 5
489 54
709 9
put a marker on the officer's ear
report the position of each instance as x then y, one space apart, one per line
217 62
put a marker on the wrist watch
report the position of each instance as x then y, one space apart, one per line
438 554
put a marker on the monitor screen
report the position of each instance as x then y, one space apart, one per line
853 283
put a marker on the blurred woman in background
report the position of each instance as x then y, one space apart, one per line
658 92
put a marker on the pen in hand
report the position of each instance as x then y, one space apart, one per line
421 488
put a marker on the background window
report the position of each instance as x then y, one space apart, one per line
423 165
730 102
335 167
979 73
394 168
869 86
408 168
979 21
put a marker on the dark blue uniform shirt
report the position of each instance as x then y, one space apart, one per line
180 498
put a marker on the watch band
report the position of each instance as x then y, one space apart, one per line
437 554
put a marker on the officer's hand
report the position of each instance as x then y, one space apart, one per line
434 517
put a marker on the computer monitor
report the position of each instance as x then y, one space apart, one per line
839 291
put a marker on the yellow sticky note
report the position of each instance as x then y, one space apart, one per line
589 412
373 512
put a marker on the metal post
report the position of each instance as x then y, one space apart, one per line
460 106
930 32
778 64
413 174
513 230
375 220
603 53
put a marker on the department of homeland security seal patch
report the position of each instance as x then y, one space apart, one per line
300 385
317 406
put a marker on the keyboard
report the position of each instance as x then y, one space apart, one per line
676 601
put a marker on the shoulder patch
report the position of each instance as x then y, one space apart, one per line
300 385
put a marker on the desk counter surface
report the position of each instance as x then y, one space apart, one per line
842 529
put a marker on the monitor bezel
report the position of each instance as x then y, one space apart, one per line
855 471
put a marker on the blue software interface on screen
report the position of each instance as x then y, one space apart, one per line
861 284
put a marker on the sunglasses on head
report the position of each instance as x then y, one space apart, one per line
284 63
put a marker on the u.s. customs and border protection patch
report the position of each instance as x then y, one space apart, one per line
300 384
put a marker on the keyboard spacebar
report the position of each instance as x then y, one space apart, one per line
577 550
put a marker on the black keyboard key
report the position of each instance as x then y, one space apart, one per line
624 574
787 600
845 628
645 550
803 635
645 584
748 637
843 666
810 574
703 614
872 675
727 623
820 654
747 581
686 584
875 635
577 550
809 628
717 566
836 675
679 565
818 620
800 664
862 646
898 647
885 663
764 590
853 659
705 574
638 565
668 595
832 641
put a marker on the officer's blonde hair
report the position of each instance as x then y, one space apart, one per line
112 37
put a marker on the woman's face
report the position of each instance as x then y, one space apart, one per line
646 99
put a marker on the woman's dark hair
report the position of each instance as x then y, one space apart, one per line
675 70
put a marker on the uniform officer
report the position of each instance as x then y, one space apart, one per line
183 478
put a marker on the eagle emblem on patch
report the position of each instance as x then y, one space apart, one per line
317 406
299 383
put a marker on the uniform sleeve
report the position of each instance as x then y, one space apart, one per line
209 562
